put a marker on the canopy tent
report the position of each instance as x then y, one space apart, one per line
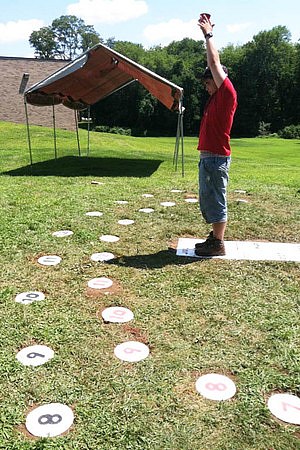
96 74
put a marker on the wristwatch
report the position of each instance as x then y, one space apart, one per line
208 35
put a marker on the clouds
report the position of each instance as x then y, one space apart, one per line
172 30
237 27
108 11
19 30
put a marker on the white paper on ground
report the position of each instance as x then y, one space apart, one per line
248 250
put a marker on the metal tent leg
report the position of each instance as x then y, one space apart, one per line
179 143
28 132
77 133
88 142
54 132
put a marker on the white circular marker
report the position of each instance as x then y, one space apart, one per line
131 351
102 257
191 200
62 233
49 260
94 214
29 297
285 407
215 386
109 238
121 202
35 355
176 190
117 314
240 191
148 195
240 200
49 420
168 204
125 222
100 283
146 210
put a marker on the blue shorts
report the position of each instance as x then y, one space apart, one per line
213 180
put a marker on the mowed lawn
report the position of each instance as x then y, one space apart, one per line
237 318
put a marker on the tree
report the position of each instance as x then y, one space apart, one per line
64 39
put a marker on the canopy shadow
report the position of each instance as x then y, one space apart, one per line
154 261
76 166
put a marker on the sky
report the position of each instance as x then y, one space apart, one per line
147 22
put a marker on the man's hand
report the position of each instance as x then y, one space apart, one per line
205 24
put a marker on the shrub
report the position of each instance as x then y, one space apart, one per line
113 130
290 132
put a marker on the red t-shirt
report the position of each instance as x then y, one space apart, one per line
216 123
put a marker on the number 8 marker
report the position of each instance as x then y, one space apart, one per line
215 387
131 351
49 420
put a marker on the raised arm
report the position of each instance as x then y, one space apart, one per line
213 59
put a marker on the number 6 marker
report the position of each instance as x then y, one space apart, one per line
131 351
36 355
215 387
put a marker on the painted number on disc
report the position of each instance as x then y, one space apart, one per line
117 314
49 260
100 283
35 355
131 351
29 297
285 407
215 387
49 420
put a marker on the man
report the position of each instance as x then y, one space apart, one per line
214 145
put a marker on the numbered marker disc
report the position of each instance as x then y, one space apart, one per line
29 297
117 314
94 214
109 238
121 202
62 233
168 204
191 200
125 222
176 190
240 200
215 387
49 260
35 355
146 210
131 351
101 257
100 283
285 407
147 195
49 420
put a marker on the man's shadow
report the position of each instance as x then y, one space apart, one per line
154 261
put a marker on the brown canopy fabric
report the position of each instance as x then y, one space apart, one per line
96 74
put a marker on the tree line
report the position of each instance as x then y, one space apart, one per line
265 72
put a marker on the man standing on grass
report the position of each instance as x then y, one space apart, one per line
214 145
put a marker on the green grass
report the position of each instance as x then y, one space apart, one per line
240 318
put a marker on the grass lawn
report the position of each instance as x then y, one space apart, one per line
237 318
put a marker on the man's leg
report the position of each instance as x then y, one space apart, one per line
219 230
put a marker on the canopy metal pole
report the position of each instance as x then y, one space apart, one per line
77 133
179 139
88 142
54 131
28 131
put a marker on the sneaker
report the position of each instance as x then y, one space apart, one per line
211 247
201 244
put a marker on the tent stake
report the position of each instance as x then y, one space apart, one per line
54 132
77 133
28 131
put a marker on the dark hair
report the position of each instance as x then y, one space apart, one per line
207 72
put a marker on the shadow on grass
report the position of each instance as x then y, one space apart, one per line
154 261
75 166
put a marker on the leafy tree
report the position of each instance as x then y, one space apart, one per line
64 39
